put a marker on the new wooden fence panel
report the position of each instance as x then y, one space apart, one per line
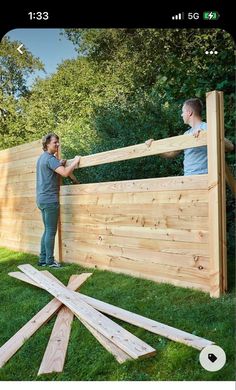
140 227
20 222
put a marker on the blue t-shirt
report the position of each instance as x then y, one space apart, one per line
47 183
195 159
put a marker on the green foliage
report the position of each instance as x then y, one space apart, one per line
127 85
14 69
183 308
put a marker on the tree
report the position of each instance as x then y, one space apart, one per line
14 69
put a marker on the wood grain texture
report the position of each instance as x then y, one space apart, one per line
141 150
215 183
118 353
18 339
137 320
119 336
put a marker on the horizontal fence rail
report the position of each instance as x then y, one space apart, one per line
165 145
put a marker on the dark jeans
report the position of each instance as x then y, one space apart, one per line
50 213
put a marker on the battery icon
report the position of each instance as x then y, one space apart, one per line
210 15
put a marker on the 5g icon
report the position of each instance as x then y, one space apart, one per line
193 15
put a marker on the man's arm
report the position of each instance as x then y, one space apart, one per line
166 154
229 146
74 179
72 176
66 171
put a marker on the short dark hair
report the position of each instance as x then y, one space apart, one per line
47 139
196 105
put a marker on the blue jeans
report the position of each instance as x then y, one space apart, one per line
50 213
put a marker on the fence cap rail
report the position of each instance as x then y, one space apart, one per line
164 145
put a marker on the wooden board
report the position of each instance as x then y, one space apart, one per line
138 320
149 197
214 186
222 184
180 142
119 336
176 183
15 342
73 230
118 353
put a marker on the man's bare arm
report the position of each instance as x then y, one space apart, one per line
66 171
229 146
74 179
166 154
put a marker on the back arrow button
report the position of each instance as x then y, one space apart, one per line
19 49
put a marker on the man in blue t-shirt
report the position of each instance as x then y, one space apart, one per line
195 159
47 194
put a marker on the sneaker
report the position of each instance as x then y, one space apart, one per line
42 264
55 264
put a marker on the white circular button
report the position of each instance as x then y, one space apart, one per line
212 358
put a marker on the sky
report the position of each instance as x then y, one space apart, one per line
47 44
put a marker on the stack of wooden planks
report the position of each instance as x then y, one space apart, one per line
67 303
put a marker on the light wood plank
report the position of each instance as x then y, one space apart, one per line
146 210
55 353
153 244
175 222
75 230
151 197
119 336
118 353
176 183
222 190
180 142
146 323
15 342
18 151
103 262
215 188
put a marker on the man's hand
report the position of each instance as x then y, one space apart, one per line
196 133
149 142
63 162
75 181
77 160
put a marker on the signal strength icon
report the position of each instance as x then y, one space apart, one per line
179 16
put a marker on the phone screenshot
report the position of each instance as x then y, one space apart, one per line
117 197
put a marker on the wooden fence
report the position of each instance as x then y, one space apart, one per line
163 229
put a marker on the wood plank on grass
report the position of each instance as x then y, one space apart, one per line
147 323
118 353
55 353
19 338
129 343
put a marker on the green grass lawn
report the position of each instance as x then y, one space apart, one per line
186 309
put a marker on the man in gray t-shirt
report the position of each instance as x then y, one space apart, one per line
48 170
195 159
47 186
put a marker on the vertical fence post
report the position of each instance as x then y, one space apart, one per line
58 241
223 192
216 192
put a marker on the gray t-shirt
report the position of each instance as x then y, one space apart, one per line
47 183
195 159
